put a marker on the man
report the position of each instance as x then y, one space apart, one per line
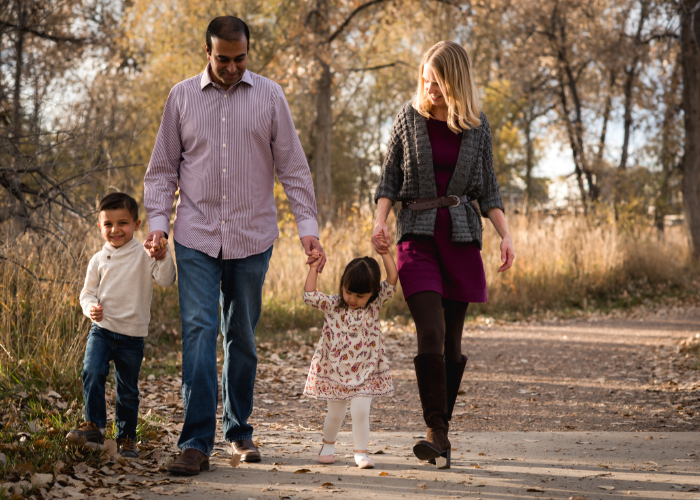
224 134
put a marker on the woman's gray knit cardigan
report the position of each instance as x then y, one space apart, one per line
407 173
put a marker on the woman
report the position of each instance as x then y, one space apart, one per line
439 159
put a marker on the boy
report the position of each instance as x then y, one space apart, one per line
117 298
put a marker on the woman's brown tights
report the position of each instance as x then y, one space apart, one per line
439 324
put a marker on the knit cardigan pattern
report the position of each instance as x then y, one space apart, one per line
407 173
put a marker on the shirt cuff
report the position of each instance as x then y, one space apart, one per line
159 223
308 227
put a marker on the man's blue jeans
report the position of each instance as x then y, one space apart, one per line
204 284
102 347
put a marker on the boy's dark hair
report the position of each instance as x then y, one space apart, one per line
115 201
361 275
228 28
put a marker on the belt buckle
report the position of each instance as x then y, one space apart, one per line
456 198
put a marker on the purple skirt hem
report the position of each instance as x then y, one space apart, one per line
459 295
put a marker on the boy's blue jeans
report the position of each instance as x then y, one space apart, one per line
102 347
204 284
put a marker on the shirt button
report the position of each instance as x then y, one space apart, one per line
109 256
225 96
224 170
223 222
224 197
224 145
223 119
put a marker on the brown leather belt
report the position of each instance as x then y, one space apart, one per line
441 202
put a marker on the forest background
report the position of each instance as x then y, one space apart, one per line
83 84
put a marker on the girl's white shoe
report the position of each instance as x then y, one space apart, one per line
329 449
362 460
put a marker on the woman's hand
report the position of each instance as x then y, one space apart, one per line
507 253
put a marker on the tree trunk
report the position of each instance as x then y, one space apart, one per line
323 126
690 54
19 65
322 147
528 160
629 85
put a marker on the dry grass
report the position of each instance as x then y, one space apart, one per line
561 264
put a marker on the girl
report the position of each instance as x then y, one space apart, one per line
350 362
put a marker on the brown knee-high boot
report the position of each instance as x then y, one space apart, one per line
431 375
453 378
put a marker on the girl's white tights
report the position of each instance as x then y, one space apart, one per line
359 410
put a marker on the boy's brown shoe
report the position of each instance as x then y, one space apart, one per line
127 448
88 434
190 463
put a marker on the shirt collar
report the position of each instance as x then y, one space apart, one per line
206 78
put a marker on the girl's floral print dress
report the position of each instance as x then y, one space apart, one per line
350 359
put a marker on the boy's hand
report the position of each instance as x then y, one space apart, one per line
314 259
96 312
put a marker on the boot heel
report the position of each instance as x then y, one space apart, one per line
443 461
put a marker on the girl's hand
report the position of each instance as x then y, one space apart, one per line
507 254
314 259
96 312
380 238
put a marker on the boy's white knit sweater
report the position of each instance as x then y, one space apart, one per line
121 281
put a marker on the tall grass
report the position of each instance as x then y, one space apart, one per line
560 263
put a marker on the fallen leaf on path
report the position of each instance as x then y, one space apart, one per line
381 452
534 490
383 473
422 486
608 488
110 447
531 440
302 471
235 461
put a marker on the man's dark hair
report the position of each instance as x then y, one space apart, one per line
115 201
227 28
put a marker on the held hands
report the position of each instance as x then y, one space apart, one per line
96 313
311 245
315 259
156 245
380 238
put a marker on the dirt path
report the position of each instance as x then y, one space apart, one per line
553 409
600 374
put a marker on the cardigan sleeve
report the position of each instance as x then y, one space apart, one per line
490 195
391 178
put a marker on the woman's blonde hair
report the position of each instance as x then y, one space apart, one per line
453 71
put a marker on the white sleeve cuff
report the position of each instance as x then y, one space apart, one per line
159 223
308 227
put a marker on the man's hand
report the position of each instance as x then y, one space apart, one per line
96 313
311 243
156 245
380 238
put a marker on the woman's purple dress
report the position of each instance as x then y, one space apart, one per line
437 264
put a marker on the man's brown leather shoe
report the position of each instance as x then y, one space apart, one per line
190 463
246 449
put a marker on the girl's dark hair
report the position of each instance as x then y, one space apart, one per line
361 275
